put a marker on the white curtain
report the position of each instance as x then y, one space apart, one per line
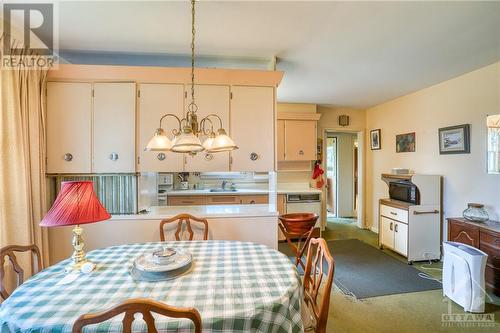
22 158
494 144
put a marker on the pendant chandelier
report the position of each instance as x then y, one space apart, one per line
186 138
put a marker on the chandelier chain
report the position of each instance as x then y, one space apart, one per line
193 32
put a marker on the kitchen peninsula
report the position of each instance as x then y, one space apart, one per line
256 223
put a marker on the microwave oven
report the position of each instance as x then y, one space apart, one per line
404 191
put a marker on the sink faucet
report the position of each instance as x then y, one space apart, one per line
224 183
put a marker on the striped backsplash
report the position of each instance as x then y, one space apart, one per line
118 192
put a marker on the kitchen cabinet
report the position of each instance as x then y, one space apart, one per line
155 100
211 99
280 140
299 140
252 128
69 107
254 199
197 200
401 238
114 127
387 232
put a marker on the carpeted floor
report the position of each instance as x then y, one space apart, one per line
417 312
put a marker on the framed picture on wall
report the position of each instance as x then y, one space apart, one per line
375 143
405 143
454 139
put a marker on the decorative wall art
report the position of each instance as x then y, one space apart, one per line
375 138
454 139
405 143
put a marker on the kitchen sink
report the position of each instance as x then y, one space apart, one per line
223 190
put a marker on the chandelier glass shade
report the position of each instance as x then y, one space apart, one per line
186 137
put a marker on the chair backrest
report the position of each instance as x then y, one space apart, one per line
139 305
318 256
9 252
186 219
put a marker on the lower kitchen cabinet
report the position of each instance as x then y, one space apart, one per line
198 200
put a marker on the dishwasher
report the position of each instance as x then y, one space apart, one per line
304 203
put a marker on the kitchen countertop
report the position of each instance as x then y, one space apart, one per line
246 191
207 211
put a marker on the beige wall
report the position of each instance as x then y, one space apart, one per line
330 119
463 100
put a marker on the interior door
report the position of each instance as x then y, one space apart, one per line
210 99
300 140
387 232
69 107
252 128
114 127
156 100
401 238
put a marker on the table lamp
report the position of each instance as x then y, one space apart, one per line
76 204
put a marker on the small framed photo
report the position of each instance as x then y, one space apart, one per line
454 139
375 142
405 143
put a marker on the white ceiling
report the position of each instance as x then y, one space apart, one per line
354 54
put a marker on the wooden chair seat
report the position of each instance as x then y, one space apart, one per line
139 305
316 291
187 220
299 226
9 252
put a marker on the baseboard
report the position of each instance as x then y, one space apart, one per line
375 230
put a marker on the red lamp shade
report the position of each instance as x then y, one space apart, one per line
76 203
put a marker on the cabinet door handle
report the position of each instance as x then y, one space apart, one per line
254 156
396 227
113 156
68 157
435 211
390 226
252 202
209 156
393 213
301 152
161 156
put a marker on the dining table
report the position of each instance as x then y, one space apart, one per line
236 286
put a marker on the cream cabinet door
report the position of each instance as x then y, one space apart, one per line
252 128
114 127
387 232
69 107
280 137
210 99
401 238
156 100
300 140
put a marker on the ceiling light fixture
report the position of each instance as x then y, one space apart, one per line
186 138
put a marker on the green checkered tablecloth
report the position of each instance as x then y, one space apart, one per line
236 286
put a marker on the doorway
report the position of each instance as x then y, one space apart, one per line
342 179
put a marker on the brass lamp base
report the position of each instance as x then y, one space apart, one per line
78 255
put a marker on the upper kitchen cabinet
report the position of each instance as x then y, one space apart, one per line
252 128
297 136
210 99
300 140
69 108
156 100
114 127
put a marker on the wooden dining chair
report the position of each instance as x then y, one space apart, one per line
9 252
186 219
318 261
139 305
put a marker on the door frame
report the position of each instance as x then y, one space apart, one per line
361 170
